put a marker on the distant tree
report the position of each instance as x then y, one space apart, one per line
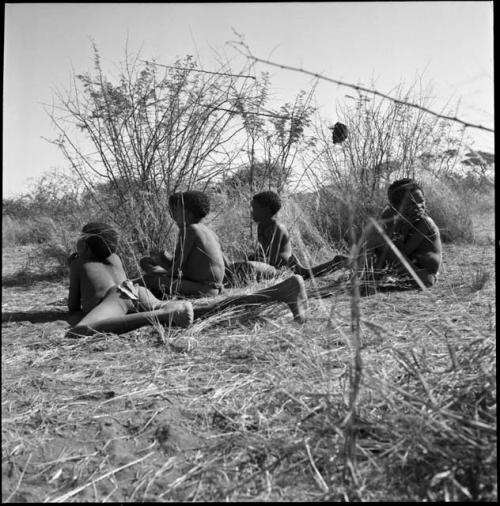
259 177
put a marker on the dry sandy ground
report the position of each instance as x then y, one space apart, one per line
117 418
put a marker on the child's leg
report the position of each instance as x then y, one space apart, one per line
111 316
291 291
429 264
148 302
425 266
190 288
159 286
240 273
430 261
157 282
159 263
338 262
427 277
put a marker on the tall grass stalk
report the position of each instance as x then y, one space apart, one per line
355 370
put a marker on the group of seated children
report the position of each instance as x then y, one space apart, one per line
110 302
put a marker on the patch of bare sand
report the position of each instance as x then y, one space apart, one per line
79 425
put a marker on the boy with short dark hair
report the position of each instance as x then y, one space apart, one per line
413 232
274 247
197 266
109 301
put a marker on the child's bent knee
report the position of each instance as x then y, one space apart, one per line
429 279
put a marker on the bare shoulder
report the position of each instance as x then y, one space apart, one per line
200 230
427 224
283 230
112 263
196 228
115 260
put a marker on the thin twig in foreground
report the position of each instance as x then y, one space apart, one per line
20 479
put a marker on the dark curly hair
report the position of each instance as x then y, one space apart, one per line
195 202
101 238
399 188
268 199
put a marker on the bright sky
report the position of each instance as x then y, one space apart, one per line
450 43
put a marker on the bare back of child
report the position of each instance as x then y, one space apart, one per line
108 300
197 266
90 280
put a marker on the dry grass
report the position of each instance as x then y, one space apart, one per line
254 408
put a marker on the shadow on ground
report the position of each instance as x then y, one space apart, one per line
41 316
24 278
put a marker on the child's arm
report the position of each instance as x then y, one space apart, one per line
420 234
421 237
74 296
399 231
277 247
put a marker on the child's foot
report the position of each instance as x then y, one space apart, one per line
293 293
181 313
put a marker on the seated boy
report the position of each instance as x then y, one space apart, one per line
197 267
109 301
274 247
413 232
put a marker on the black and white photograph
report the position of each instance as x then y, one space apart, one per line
248 252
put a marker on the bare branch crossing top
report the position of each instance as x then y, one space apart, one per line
246 76
368 90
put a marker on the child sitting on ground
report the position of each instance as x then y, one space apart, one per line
274 247
413 232
197 267
111 303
